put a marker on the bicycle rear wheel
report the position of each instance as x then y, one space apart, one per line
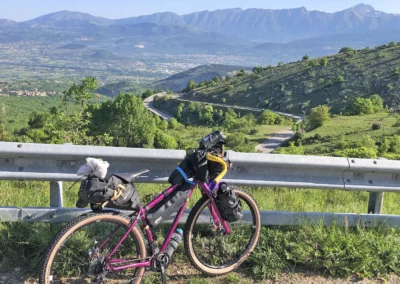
77 252
212 252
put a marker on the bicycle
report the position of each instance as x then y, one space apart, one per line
107 245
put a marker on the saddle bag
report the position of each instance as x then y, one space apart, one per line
115 192
169 205
228 203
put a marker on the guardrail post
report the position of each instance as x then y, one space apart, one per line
56 194
375 202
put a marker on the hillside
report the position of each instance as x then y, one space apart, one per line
198 74
296 87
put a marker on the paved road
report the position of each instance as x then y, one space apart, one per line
148 103
270 144
274 141
296 117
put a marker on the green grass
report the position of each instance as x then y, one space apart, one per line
338 251
36 194
352 129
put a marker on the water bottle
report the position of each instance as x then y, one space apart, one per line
174 242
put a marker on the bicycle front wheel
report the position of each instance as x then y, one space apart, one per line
77 253
211 251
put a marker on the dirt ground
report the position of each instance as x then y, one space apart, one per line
186 274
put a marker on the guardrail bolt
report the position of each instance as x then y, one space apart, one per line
375 162
21 169
19 145
353 161
396 177
370 182
6 161
348 180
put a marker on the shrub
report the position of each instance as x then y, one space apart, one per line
361 152
376 125
345 49
318 116
305 57
317 136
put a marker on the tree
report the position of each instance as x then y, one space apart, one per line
146 94
164 141
229 119
179 111
191 86
318 116
345 49
377 102
82 93
340 78
305 57
313 63
127 121
392 44
257 70
362 106
173 123
323 62
38 119
240 73
267 118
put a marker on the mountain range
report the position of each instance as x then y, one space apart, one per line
268 35
261 25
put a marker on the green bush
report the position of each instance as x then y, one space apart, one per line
376 125
345 49
318 116
361 152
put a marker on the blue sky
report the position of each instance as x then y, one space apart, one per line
20 10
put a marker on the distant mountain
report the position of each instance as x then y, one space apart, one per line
261 25
7 23
281 25
73 46
69 18
104 55
198 74
270 35
167 18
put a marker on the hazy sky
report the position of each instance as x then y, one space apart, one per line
21 10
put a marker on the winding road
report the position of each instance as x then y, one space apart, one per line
148 103
270 144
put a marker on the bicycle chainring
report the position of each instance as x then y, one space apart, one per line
159 260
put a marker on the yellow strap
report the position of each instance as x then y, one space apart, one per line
221 161
117 193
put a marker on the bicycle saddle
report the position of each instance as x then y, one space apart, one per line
131 177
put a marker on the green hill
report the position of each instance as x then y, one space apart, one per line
198 74
296 87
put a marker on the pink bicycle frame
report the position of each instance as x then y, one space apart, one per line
206 189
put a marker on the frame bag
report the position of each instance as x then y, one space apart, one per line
228 203
169 205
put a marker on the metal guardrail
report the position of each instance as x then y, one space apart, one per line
56 163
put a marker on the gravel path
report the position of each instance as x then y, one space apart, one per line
274 141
